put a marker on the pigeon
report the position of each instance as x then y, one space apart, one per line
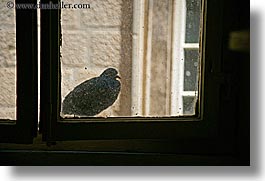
94 95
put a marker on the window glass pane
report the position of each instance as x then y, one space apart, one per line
189 105
192 20
93 40
98 38
7 62
191 70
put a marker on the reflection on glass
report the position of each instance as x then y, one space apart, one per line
7 62
191 70
99 39
188 105
192 21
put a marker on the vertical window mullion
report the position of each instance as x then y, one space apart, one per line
179 11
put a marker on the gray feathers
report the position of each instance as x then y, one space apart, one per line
94 95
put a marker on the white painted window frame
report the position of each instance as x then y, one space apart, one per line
141 94
137 57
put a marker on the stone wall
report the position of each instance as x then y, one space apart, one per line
100 37
95 39
7 63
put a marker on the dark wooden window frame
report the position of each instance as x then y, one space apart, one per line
24 128
201 125
221 129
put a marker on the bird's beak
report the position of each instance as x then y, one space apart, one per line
118 77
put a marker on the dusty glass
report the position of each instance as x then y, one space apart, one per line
100 77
